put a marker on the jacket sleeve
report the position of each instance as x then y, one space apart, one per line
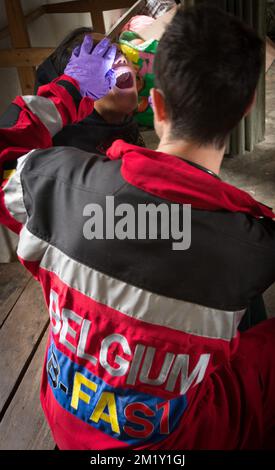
30 123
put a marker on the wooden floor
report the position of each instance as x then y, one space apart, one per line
24 322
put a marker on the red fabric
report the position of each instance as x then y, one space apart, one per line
70 432
85 108
64 101
171 178
106 321
29 132
234 410
236 407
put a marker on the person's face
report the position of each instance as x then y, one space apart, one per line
123 97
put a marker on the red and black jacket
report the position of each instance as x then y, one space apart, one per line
137 330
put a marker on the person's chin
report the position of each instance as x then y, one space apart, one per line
128 102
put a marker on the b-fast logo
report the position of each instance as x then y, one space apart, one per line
124 414
75 333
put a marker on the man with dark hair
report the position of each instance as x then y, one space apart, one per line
202 76
144 350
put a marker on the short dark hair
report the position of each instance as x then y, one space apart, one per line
207 65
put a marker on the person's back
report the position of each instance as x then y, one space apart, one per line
145 293
137 326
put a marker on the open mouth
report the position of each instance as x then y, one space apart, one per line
124 78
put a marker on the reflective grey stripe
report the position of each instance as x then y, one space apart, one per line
30 247
13 193
46 111
140 304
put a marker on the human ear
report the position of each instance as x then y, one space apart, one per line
158 104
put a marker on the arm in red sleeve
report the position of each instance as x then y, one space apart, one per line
30 123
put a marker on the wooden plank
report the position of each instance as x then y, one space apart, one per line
32 16
58 8
13 280
84 6
72 8
24 426
24 57
20 38
18 339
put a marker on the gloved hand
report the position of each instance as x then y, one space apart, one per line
93 68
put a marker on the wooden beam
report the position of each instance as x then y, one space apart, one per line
32 16
84 6
56 8
98 21
31 56
19 39
27 57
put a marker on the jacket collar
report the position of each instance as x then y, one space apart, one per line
169 177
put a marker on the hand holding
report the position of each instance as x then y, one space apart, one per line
92 68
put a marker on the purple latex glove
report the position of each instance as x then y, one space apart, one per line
92 68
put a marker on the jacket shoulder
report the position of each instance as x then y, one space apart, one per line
72 167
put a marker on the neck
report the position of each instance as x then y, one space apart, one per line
206 156
110 116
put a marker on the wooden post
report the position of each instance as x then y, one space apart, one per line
20 39
26 57
97 17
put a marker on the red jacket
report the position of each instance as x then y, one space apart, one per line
142 338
